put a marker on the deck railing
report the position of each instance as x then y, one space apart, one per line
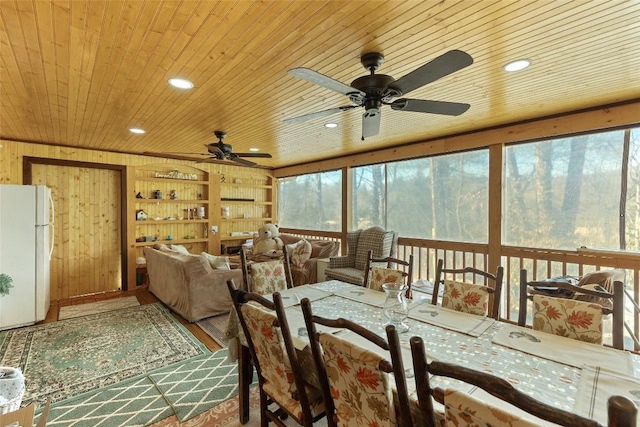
539 263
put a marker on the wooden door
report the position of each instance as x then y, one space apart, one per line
87 255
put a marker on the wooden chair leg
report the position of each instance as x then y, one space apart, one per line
245 376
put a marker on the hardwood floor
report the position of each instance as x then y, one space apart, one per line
144 297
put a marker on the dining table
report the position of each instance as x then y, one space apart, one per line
568 374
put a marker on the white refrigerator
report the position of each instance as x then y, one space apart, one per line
26 245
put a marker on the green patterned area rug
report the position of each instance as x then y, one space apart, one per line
185 389
198 384
128 403
69 357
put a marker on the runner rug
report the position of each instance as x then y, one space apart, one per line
69 357
215 327
71 311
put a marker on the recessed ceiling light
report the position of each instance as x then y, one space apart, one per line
181 83
331 125
254 149
518 65
137 130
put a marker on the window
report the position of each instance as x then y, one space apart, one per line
443 197
311 202
632 202
566 193
562 194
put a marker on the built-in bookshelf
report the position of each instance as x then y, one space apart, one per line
246 203
172 205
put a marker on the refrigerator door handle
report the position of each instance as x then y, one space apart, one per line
52 211
52 220
53 238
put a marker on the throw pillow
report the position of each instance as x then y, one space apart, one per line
324 249
216 262
300 252
180 249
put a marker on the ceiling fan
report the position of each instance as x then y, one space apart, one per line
220 151
375 90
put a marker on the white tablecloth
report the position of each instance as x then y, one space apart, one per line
550 379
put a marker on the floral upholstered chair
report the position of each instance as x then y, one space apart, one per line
462 410
576 312
469 297
266 329
568 318
377 272
265 277
355 380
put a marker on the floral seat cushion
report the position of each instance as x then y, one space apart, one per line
465 297
360 390
462 410
268 277
579 320
380 276
275 367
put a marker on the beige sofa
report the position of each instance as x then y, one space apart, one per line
188 285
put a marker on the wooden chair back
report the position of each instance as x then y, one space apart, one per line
379 271
325 346
495 291
622 411
265 327
286 259
598 300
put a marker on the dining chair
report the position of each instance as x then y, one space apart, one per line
355 380
265 277
462 409
379 271
286 261
469 297
571 317
273 354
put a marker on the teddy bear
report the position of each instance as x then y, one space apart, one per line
267 240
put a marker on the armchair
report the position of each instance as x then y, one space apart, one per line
351 267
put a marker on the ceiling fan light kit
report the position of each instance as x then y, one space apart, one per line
375 90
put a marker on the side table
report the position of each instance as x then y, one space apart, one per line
142 277
321 266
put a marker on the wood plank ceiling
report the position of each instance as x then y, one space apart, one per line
81 73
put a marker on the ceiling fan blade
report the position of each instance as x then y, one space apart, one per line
433 70
370 122
262 155
235 158
433 107
175 156
315 115
315 77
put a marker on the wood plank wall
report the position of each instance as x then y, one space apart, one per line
73 279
